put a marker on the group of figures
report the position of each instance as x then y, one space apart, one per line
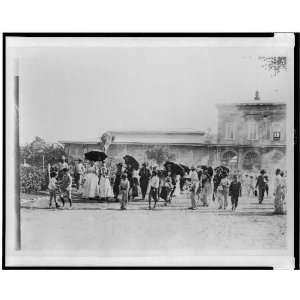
203 184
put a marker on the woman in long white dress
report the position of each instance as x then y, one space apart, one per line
177 188
105 189
90 187
278 191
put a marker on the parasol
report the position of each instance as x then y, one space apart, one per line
174 168
185 168
131 161
95 155
221 171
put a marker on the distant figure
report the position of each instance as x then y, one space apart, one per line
116 186
124 189
62 165
105 189
165 186
78 174
66 187
135 183
260 184
278 203
225 190
144 179
177 186
194 187
206 187
52 189
90 187
251 187
154 185
235 190
266 179
284 189
246 185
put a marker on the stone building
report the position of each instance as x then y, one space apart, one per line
250 136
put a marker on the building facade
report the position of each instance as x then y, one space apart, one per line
250 136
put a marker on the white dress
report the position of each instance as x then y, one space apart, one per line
177 188
90 187
105 189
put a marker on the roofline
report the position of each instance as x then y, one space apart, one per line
196 132
212 144
159 143
256 103
79 142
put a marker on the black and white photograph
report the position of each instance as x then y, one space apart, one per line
149 151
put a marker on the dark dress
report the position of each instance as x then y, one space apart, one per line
144 180
116 187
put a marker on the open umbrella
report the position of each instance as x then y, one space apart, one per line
221 171
95 155
130 160
185 168
174 168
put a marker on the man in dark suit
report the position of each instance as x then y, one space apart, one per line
235 191
261 185
144 179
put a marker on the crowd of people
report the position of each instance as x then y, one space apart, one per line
203 184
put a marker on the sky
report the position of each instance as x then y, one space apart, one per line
77 93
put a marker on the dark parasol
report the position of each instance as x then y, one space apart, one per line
174 168
185 168
95 155
221 171
131 161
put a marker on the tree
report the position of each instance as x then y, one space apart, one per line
274 64
34 152
159 154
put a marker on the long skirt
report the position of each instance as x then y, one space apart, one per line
135 185
105 189
205 193
90 187
144 186
278 201
220 198
177 189
116 185
124 198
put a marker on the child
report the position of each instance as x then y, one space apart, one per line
235 191
124 188
154 185
52 189
66 187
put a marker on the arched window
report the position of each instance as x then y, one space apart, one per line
252 160
229 158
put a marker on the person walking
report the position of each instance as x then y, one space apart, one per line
206 185
194 187
278 203
78 174
124 189
225 189
90 188
154 185
117 180
235 190
261 186
52 189
66 187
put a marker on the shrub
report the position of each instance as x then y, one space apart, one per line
33 179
